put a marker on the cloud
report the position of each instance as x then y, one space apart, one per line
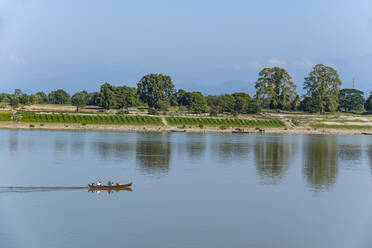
304 63
277 62
15 59
250 65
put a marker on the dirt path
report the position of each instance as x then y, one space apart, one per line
164 121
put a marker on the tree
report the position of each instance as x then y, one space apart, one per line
14 102
59 97
275 88
244 104
351 100
126 97
42 97
18 92
24 99
307 105
155 90
107 98
181 97
368 104
323 87
79 100
197 103
92 98
225 103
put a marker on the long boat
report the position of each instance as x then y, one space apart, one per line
109 187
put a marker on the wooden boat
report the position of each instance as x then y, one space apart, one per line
117 186
367 133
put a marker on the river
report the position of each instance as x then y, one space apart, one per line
189 190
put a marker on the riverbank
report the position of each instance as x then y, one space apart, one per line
127 128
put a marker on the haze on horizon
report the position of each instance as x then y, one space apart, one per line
209 46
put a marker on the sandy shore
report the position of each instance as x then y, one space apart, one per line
80 127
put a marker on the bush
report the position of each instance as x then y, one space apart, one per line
153 111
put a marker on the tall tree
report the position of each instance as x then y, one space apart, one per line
59 97
275 88
126 96
197 102
156 90
107 98
368 104
244 104
323 87
351 100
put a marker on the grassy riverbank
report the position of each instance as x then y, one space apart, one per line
269 122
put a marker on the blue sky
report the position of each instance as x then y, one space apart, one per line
212 46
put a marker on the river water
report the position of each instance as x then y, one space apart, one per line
190 190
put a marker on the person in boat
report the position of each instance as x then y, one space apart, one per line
99 184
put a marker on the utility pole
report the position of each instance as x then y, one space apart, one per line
353 82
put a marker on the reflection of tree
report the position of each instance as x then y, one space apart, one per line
77 147
272 159
193 146
109 150
153 156
13 141
320 162
369 152
350 154
230 150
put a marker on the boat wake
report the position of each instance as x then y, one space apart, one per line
36 189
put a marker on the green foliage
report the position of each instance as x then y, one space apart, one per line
323 87
308 105
156 90
41 97
213 113
25 99
14 102
351 100
91 119
79 100
5 116
244 104
368 104
126 97
275 88
59 97
153 111
107 98
197 103
226 122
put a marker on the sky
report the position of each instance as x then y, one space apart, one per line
204 45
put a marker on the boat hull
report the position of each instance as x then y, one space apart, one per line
110 187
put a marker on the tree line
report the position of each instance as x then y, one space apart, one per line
275 90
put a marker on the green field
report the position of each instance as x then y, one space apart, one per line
225 122
91 119
5 116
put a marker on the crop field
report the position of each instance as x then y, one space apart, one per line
91 119
5 116
226 122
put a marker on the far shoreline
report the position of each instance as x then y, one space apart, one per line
169 129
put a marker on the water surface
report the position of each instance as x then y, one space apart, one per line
190 190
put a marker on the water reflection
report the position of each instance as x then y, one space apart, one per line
349 154
272 158
107 150
320 162
153 155
194 146
13 141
